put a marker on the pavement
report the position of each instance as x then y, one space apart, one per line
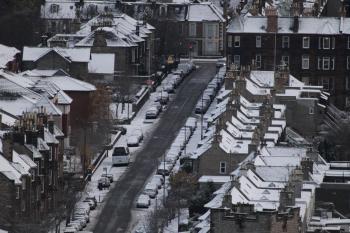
116 214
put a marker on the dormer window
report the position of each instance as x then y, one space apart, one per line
54 8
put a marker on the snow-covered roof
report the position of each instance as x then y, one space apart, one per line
102 63
205 11
7 54
7 169
66 83
70 54
307 25
214 179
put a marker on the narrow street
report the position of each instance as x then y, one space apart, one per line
116 215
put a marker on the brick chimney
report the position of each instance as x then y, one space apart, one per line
287 197
7 146
51 125
272 19
281 78
100 39
307 167
296 179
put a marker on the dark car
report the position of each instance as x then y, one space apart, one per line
109 176
103 183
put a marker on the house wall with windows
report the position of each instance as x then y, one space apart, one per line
317 54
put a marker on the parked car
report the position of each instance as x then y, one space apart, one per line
161 178
151 190
103 182
133 141
109 176
143 201
138 133
77 226
70 229
91 203
164 168
152 113
168 87
202 106
93 198
81 215
156 181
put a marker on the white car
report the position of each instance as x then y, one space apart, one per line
151 190
152 113
133 141
70 230
156 180
143 201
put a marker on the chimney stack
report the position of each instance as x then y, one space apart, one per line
307 167
51 125
272 19
7 146
137 29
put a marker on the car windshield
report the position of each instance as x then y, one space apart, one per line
119 151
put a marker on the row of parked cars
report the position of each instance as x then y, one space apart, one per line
173 80
170 158
150 191
81 215
177 147
210 92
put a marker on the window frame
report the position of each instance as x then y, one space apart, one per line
258 42
306 45
222 167
258 61
305 58
347 62
285 41
311 110
324 44
326 60
239 59
237 41
192 29
286 61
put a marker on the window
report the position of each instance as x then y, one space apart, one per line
54 8
348 62
222 167
237 60
229 41
305 62
285 60
333 42
17 192
306 42
237 42
327 83
326 63
311 110
258 41
347 102
193 29
258 60
347 83
326 43
285 42
32 173
333 63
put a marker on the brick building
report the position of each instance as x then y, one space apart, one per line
31 171
316 50
183 29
